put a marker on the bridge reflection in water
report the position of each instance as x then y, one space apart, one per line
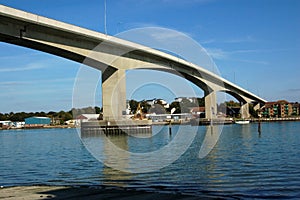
118 151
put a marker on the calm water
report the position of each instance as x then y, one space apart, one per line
243 164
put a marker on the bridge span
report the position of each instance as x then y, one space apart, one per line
113 56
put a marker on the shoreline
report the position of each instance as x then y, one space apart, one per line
202 121
287 119
40 127
84 192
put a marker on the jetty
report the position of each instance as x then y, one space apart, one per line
117 126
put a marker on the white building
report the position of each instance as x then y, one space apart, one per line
5 123
87 117
191 99
18 124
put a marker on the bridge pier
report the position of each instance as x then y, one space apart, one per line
257 106
114 95
211 105
245 110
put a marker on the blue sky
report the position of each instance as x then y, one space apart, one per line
254 44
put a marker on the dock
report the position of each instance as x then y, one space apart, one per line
205 122
117 127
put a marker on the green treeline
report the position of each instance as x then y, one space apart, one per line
61 115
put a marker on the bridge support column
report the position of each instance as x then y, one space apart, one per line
257 106
211 106
114 95
245 110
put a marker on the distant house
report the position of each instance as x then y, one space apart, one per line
191 99
198 112
5 124
154 101
87 117
163 102
151 102
18 124
37 121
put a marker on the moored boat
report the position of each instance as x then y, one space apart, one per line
242 121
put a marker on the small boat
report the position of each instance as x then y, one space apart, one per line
242 122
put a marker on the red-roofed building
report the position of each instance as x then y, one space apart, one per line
281 108
198 112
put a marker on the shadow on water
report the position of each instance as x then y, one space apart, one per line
84 193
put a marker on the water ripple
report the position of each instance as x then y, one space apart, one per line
243 164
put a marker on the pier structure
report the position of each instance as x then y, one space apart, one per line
113 56
117 127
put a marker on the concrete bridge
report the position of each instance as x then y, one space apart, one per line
113 56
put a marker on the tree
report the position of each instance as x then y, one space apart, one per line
51 113
157 109
201 102
97 109
133 105
145 106
2 117
253 113
176 105
63 116
232 104
186 105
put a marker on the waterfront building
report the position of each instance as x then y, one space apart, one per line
281 108
198 112
169 117
87 117
284 108
37 121
72 122
163 102
154 101
191 99
5 124
295 109
18 124
151 102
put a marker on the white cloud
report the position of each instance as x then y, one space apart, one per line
209 41
217 53
232 40
220 54
165 35
252 61
240 40
24 55
25 68
58 80
140 25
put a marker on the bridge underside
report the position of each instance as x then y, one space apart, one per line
113 57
